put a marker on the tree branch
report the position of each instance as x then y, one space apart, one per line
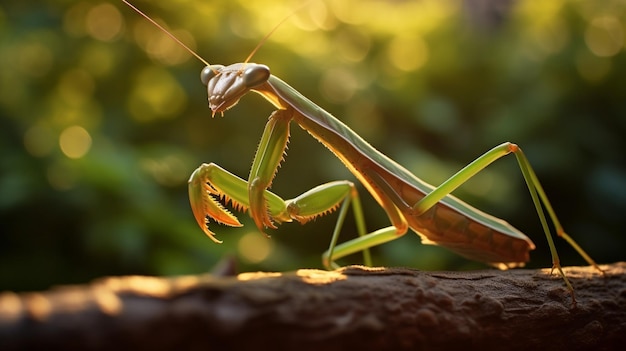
355 308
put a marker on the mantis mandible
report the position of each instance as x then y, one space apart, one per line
432 212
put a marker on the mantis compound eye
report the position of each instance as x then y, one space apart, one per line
256 75
209 72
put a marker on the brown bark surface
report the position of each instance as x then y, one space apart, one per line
353 308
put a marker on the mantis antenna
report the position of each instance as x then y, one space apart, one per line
168 33
270 34
198 56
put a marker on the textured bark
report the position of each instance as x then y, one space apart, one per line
354 308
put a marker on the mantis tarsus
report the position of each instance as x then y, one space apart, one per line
436 216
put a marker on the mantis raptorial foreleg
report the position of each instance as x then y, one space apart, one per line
209 183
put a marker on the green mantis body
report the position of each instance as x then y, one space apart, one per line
435 215
438 217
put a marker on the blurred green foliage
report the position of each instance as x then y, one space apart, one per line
103 118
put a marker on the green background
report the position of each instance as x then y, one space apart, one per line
103 119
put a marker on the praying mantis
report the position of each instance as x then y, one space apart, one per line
438 217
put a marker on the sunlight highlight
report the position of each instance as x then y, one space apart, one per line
258 275
38 306
143 285
317 277
10 307
108 302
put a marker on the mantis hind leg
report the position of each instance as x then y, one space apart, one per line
539 197
537 193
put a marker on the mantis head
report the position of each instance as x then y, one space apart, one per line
227 84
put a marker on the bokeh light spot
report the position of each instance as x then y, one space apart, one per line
156 95
254 247
169 52
604 36
407 53
352 45
75 142
338 85
104 22
159 46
